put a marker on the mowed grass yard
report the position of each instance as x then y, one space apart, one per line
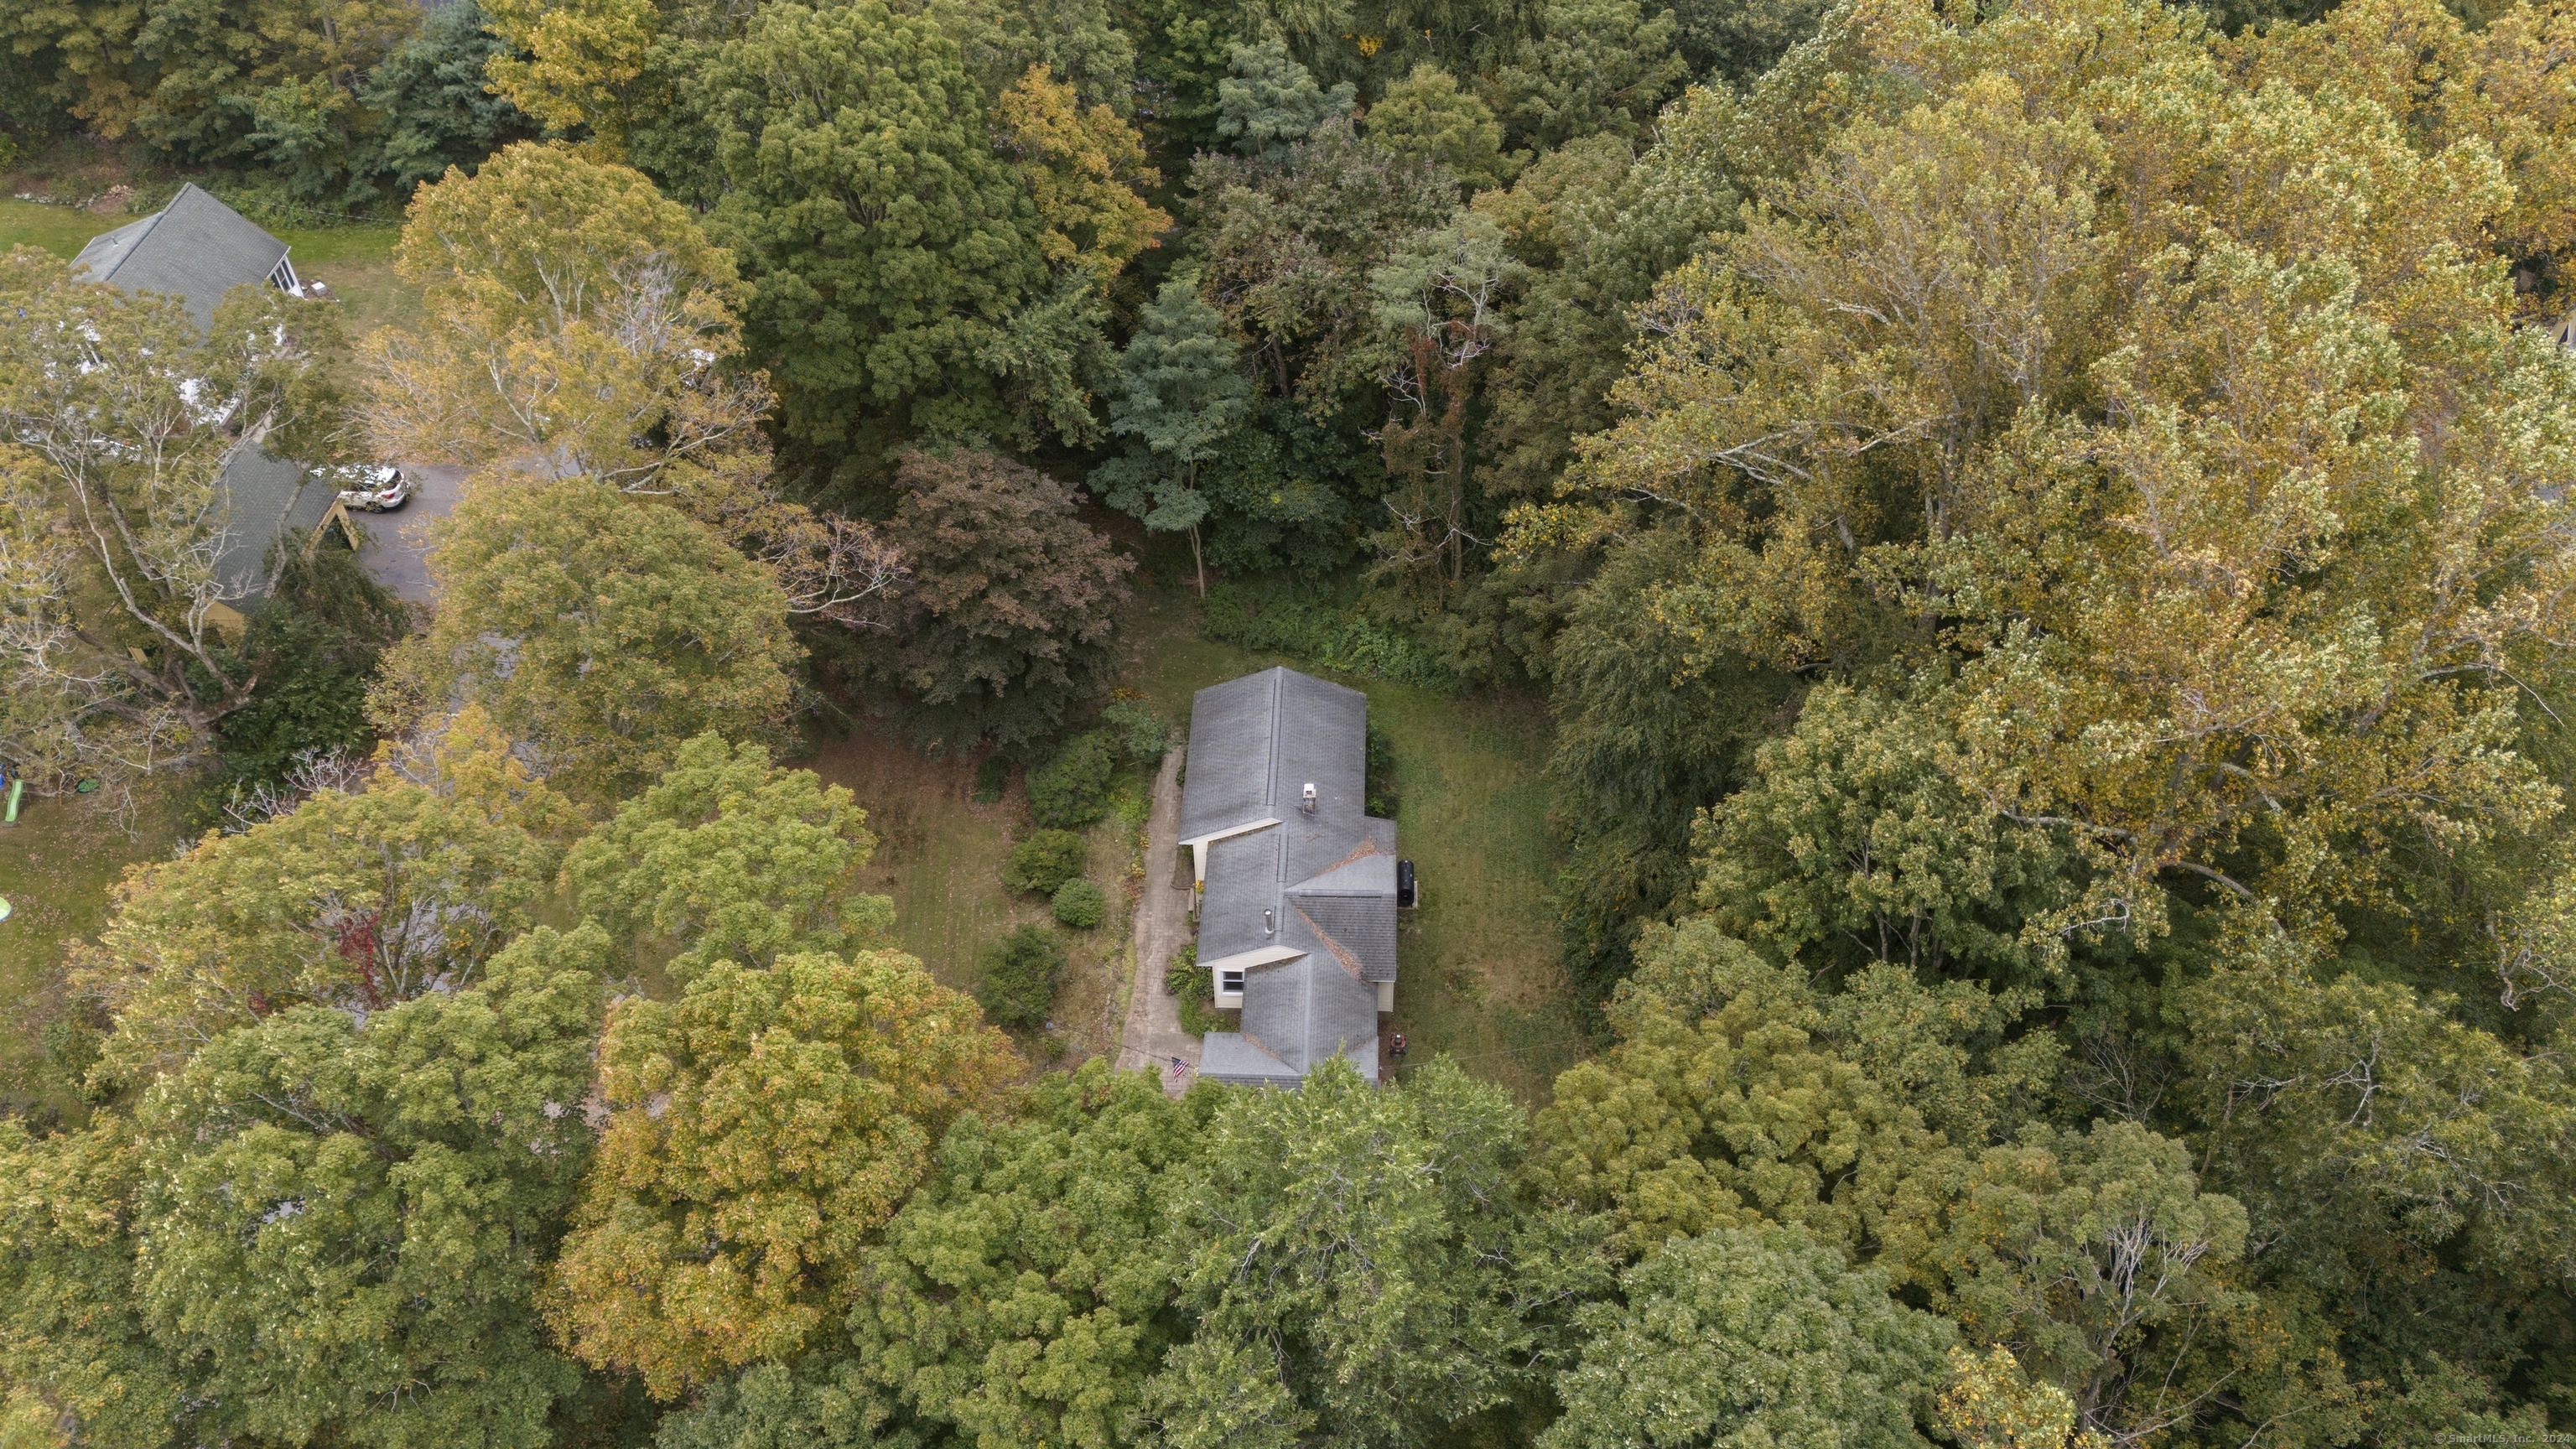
356 261
940 857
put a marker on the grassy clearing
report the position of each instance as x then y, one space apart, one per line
56 867
62 230
1480 976
940 856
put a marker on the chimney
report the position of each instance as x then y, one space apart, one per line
1308 804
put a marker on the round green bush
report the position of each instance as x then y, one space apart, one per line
1043 861
1015 976
1080 904
1072 787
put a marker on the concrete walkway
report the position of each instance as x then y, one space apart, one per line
1151 1036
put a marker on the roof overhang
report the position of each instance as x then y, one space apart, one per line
1198 844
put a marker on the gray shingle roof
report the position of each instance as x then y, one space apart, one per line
195 249
268 498
1319 885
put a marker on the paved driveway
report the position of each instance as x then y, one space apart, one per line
396 541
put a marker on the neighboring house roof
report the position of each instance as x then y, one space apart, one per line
195 249
1305 902
267 498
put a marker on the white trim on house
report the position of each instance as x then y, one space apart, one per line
1198 845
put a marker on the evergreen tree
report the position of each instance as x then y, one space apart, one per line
1181 394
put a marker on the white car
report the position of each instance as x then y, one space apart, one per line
373 487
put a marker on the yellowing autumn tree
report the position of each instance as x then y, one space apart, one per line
1084 168
2179 430
761 1128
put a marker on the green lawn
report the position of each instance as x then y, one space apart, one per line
62 230
1479 973
940 857
56 867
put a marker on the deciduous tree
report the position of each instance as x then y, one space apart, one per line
1012 616
355 900
601 630
730 859
1743 1337
761 1129
119 549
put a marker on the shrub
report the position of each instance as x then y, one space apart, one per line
1015 977
1072 787
1184 979
1044 861
1080 904
1142 734
990 778
1380 790
1323 632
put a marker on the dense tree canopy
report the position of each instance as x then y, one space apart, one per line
2040 527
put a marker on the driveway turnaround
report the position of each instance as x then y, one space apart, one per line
397 541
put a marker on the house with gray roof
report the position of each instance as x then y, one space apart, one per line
1295 881
195 249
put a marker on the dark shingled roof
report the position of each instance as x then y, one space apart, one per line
1326 881
195 249
267 498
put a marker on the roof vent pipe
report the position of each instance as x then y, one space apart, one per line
1270 923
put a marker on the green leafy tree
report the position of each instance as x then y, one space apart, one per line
1595 68
1270 103
1724 1105
602 630
1024 1294
2381 1144
1289 249
1016 976
1080 42
355 900
2070 1248
890 249
1853 843
733 860
1426 118
1182 395
1746 1337
1027 1291
73 1349
343 1225
1011 618
1358 1266
760 1130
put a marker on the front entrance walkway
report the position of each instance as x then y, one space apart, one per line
1151 1039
